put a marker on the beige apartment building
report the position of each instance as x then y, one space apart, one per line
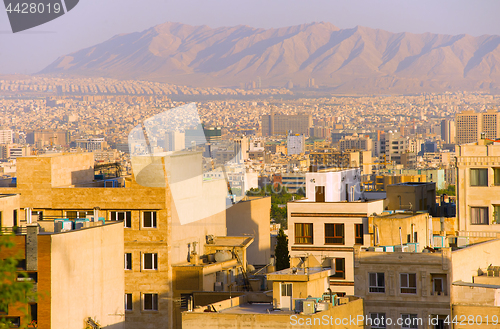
329 231
279 124
63 186
471 125
77 274
413 287
478 182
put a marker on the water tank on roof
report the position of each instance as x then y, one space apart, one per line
222 256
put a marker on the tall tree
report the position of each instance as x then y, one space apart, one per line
281 252
13 294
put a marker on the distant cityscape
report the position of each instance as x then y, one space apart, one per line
293 209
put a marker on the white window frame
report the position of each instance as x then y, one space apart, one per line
376 282
154 219
125 218
154 302
405 283
412 325
382 325
154 261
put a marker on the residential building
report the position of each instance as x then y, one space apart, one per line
277 124
448 131
91 144
46 137
422 289
324 225
77 274
295 144
6 136
363 143
395 146
300 297
478 186
471 125
412 196
160 224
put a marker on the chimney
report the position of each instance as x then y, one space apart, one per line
32 247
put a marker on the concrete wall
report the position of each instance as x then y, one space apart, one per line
335 185
467 261
9 204
479 296
88 277
490 316
422 196
252 217
393 302
388 229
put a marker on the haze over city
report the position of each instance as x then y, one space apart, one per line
230 164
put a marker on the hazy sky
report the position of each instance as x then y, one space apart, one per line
94 21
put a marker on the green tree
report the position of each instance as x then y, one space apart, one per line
281 252
448 191
13 294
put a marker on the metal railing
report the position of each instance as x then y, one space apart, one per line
13 230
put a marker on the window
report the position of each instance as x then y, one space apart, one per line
14 216
359 234
496 214
479 177
150 261
128 302
72 214
496 176
150 302
479 215
339 268
334 233
14 322
408 283
128 261
303 233
410 321
286 289
377 282
438 284
149 219
377 320
125 216
34 312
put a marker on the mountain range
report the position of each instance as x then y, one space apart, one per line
356 60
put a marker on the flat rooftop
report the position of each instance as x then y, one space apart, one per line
300 271
231 241
398 215
254 308
479 285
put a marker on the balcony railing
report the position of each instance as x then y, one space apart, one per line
12 230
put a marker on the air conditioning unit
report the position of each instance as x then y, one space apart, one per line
218 286
308 307
299 303
322 307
